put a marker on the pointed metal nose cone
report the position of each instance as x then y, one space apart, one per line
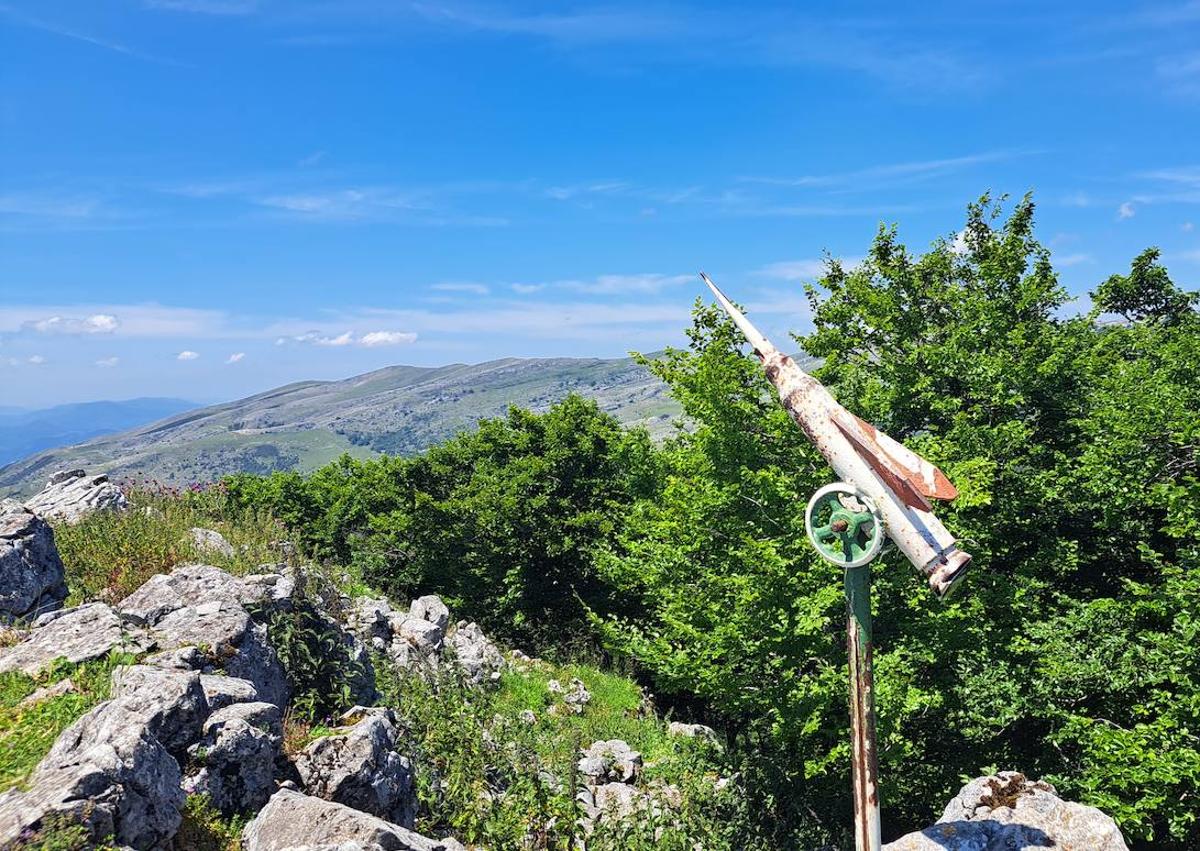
762 346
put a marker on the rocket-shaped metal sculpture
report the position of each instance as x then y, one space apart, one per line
896 480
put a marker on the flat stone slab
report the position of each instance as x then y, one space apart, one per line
78 635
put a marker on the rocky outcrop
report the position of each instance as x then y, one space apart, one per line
197 605
211 542
612 761
475 653
234 762
691 731
106 772
422 639
79 634
172 704
32 579
291 820
362 768
1008 811
71 495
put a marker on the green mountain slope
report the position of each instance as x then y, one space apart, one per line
398 410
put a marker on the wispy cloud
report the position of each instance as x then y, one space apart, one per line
205 7
371 339
97 323
187 354
891 174
1077 259
1126 211
67 32
236 357
462 287
108 363
47 206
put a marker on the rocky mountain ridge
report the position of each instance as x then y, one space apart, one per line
398 410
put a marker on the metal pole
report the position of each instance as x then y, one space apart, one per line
862 709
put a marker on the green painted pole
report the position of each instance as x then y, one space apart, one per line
862 709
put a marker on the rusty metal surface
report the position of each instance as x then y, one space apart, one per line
865 765
896 479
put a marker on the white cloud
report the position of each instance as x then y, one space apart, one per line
1126 211
1187 227
527 289
37 360
235 357
99 323
803 270
187 354
108 363
386 338
453 287
1073 259
371 339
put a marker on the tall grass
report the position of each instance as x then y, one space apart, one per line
108 555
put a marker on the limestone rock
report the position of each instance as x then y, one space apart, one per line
691 731
1008 812
32 579
191 585
370 619
431 608
474 652
236 756
211 541
107 772
238 644
171 703
291 820
71 495
361 768
223 691
611 761
77 635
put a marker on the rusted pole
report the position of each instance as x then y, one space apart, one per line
862 709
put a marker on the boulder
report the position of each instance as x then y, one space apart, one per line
32 579
474 652
611 761
431 608
234 762
291 821
106 772
171 703
71 495
691 731
370 620
361 768
223 691
1007 811
79 634
211 541
235 643
191 585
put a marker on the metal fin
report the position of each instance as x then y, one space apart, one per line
762 346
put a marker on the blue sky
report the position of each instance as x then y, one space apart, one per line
206 198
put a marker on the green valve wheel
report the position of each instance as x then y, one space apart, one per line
844 525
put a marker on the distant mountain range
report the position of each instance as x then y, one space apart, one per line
23 432
397 410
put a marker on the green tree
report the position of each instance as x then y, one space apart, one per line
1067 653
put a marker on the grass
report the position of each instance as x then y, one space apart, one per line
492 778
27 731
109 555
204 828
